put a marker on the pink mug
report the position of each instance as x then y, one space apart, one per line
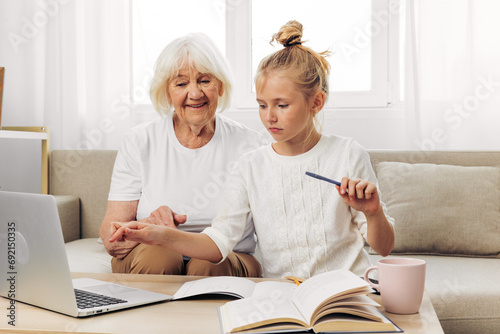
401 284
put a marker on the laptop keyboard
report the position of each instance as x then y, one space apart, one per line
85 299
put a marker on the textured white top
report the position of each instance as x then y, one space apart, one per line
152 166
303 226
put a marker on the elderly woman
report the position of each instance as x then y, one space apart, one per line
172 171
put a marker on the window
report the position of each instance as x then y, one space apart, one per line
155 23
328 28
356 31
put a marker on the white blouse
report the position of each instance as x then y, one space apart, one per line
303 226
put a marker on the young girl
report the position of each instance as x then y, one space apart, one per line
303 226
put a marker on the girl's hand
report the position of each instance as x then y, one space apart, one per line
360 195
137 231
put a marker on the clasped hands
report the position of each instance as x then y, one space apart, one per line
146 230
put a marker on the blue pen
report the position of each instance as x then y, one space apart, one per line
319 177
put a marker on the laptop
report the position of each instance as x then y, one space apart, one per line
34 268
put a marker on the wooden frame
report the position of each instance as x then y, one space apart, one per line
2 71
10 132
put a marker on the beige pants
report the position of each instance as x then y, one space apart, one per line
145 259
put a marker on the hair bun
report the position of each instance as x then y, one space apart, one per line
290 34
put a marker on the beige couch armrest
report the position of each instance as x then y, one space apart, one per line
85 174
69 214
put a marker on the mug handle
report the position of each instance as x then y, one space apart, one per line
376 286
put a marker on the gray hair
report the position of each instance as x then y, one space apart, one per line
202 54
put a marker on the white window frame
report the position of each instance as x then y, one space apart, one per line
385 78
238 52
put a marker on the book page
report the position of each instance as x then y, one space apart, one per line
270 288
226 285
318 289
362 311
350 323
266 308
351 301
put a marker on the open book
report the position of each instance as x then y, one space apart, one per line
238 287
335 301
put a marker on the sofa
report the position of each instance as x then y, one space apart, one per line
446 206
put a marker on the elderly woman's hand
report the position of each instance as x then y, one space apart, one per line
164 216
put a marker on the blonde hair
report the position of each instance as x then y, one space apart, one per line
308 69
202 54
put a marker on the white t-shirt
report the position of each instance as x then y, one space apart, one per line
303 226
152 166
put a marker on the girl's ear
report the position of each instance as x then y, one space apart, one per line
318 102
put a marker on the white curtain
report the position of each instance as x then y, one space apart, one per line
67 67
452 90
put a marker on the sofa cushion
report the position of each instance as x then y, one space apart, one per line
442 209
88 255
86 175
465 301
